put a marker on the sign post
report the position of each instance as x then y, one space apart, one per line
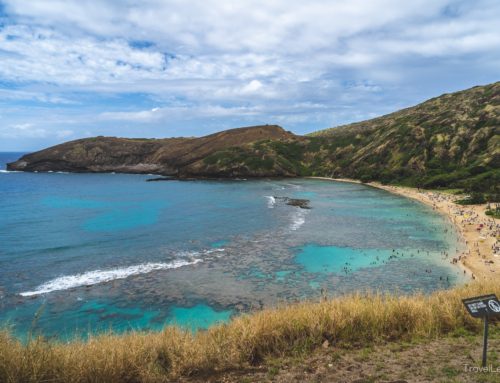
483 307
485 340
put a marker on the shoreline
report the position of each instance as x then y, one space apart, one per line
474 262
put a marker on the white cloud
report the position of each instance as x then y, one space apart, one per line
64 133
254 86
19 95
43 55
29 130
169 114
295 113
22 131
288 60
69 43
256 26
21 126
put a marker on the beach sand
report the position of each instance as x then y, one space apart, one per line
479 243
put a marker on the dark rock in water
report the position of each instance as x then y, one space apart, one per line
302 203
163 179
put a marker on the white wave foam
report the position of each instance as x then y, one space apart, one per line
298 218
188 254
212 251
271 201
98 276
10 171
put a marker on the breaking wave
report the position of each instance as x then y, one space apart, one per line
271 201
298 218
98 276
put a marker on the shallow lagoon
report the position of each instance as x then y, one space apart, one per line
104 250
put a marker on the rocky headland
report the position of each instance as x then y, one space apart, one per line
167 157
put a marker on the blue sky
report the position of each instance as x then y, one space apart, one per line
160 68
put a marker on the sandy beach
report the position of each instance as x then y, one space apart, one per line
467 219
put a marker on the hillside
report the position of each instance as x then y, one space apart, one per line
139 156
439 143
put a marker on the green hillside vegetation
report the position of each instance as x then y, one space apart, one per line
299 156
440 143
451 141
264 155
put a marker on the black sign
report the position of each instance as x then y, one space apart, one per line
484 306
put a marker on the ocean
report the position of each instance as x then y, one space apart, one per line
93 252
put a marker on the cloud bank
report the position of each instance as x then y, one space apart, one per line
159 68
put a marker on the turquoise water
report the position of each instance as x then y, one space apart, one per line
113 216
101 251
221 243
199 316
332 259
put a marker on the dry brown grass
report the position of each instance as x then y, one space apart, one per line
172 352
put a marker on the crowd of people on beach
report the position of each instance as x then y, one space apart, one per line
464 216
469 215
487 228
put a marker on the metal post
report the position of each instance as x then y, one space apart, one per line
485 342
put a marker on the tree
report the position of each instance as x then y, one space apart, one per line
365 178
477 198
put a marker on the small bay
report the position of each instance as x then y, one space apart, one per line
100 251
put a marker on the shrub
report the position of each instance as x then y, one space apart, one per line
259 145
314 145
268 163
253 163
365 178
214 158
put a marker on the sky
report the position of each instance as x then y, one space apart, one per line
71 69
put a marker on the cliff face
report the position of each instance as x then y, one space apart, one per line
119 155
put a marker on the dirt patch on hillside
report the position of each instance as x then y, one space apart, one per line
444 360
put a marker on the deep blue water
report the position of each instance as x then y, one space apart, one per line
94 251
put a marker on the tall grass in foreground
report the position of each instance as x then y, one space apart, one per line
172 352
